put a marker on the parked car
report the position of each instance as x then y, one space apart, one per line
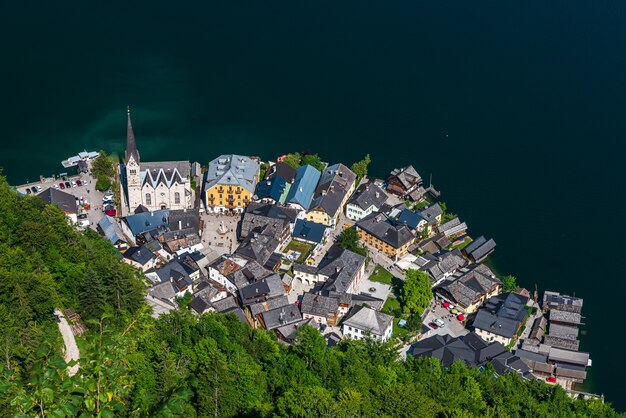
107 196
439 322
82 216
33 189
38 188
67 184
73 183
79 183
433 325
56 186
62 186
28 191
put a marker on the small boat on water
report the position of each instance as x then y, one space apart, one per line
82 156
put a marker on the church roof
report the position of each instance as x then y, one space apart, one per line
131 145
165 172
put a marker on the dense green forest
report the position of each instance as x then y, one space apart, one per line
180 365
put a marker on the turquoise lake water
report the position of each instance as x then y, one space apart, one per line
516 108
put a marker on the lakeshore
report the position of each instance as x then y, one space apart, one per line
297 241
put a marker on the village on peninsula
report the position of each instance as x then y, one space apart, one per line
300 242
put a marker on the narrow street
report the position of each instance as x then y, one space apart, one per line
71 349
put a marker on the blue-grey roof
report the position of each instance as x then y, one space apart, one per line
309 231
410 218
272 188
111 229
232 169
301 191
141 255
147 221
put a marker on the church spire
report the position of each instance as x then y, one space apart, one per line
131 146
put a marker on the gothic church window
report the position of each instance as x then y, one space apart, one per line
177 198
148 199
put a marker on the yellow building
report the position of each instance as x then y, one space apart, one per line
390 238
230 183
331 195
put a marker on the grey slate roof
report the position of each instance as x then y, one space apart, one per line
407 176
569 357
282 170
258 245
443 263
480 248
251 272
430 213
552 300
341 266
164 172
368 320
232 169
319 305
176 271
268 305
259 214
466 286
147 221
262 290
184 219
141 255
368 195
304 268
564 317
452 227
332 189
111 230
64 201
164 290
282 316
288 332
502 315
385 229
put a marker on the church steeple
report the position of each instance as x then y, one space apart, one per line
131 146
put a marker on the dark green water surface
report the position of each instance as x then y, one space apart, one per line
517 108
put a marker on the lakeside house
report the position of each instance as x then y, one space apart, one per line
331 195
472 351
470 287
300 194
479 249
403 181
230 183
275 187
64 201
386 235
368 198
155 185
501 317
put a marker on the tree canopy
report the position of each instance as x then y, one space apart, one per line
360 167
509 283
313 160
349 239
180 365
416 292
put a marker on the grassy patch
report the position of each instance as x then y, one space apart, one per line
464 244
302 247
397 331
381 275
392 307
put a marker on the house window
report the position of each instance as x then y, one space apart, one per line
177 198
133 172
148 199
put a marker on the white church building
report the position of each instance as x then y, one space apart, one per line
156 185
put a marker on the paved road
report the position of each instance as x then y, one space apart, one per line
71 349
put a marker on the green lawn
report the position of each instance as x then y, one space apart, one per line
464 244
392 303
381 275
302 247
397 331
